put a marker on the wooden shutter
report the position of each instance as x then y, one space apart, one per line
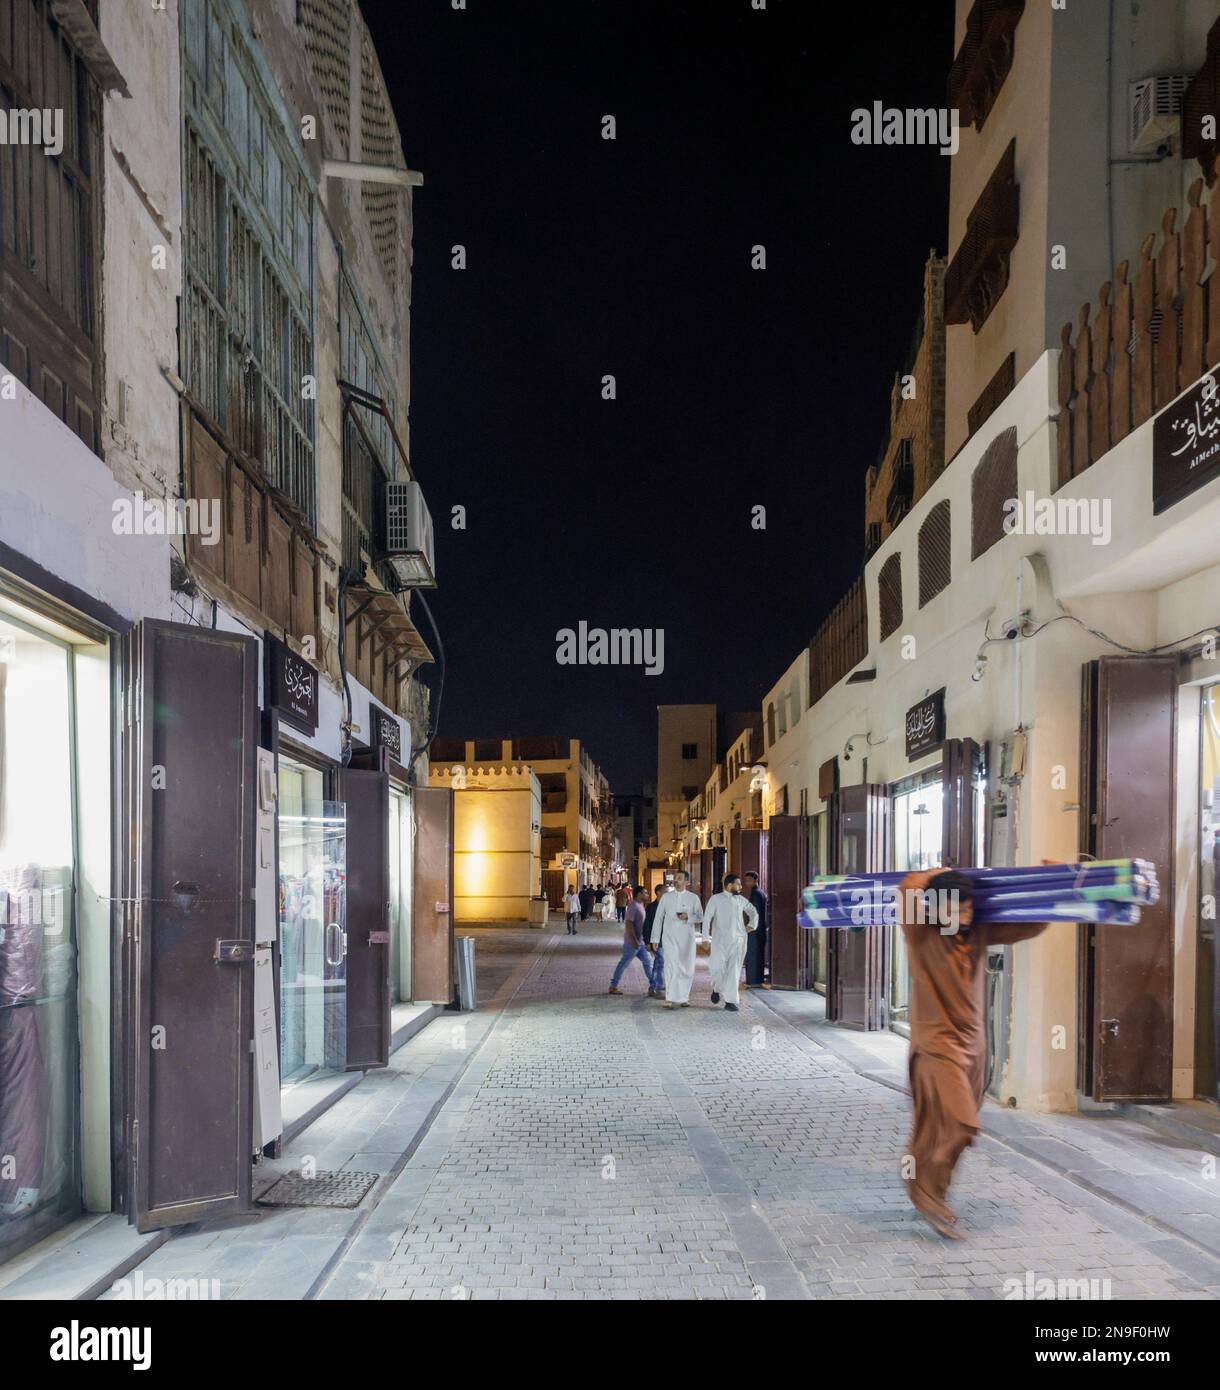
432 910
790 947
366 795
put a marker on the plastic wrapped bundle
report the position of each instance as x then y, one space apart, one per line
1109 891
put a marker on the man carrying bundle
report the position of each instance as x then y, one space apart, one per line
948 1053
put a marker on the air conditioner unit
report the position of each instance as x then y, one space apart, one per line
408 524
1155 108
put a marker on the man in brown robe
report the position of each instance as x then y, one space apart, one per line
948 1054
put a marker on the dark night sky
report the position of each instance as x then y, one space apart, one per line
632 257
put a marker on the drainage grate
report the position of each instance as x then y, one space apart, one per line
324 1189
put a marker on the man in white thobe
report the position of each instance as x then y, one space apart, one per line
678 914
728 920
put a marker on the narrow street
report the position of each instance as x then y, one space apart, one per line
564 1144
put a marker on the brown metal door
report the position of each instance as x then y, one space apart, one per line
958 773
1128 758
554 885
188 742
705 889
366 795
748 854
858 961
720 858
787 873
432 915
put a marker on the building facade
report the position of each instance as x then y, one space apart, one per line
204 383
1027 668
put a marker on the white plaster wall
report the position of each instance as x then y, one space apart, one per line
57 509
1156 581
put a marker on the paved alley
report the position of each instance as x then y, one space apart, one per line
561 1143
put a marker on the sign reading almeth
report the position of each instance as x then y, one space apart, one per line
1186 445
925 725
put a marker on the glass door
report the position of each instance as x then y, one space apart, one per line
313 926
1207 1045
918 829
39 1077
402 830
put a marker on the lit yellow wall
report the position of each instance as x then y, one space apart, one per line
494 854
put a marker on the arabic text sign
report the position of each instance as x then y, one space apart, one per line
387 733
1186 444
925 725
292 686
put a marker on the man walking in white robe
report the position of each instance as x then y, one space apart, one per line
729 920
678 914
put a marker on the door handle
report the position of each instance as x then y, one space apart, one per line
1110 1026
233 952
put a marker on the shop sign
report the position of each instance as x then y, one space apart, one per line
292 686
386 733
925 725
1186 444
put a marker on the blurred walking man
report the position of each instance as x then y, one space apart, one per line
658 955
679 913
633 941
730 921
948 1051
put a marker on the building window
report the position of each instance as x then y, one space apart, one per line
369 453
1201 101
889 596
247 344
902 484
934 551
690 751
992 394
689 793
50 220
978 273
770 725
994 481
984 59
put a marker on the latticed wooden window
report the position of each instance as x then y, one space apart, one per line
934 567
49 215
889 596
994 481
248 301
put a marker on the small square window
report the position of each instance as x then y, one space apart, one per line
690 751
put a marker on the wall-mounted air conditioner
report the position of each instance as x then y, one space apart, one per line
1154 110
408 550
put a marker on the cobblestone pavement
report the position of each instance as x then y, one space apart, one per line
607 1147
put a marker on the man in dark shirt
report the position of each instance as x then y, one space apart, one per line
586 902
633 941
657 988
756 945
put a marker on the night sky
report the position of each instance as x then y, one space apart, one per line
631 257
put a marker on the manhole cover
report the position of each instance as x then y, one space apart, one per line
322 1190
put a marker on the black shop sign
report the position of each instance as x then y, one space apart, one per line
386 733
1186 444
925 725
292 686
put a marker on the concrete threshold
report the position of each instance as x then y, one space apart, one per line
1195 1121
81 1261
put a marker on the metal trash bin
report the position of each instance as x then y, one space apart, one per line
468 994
